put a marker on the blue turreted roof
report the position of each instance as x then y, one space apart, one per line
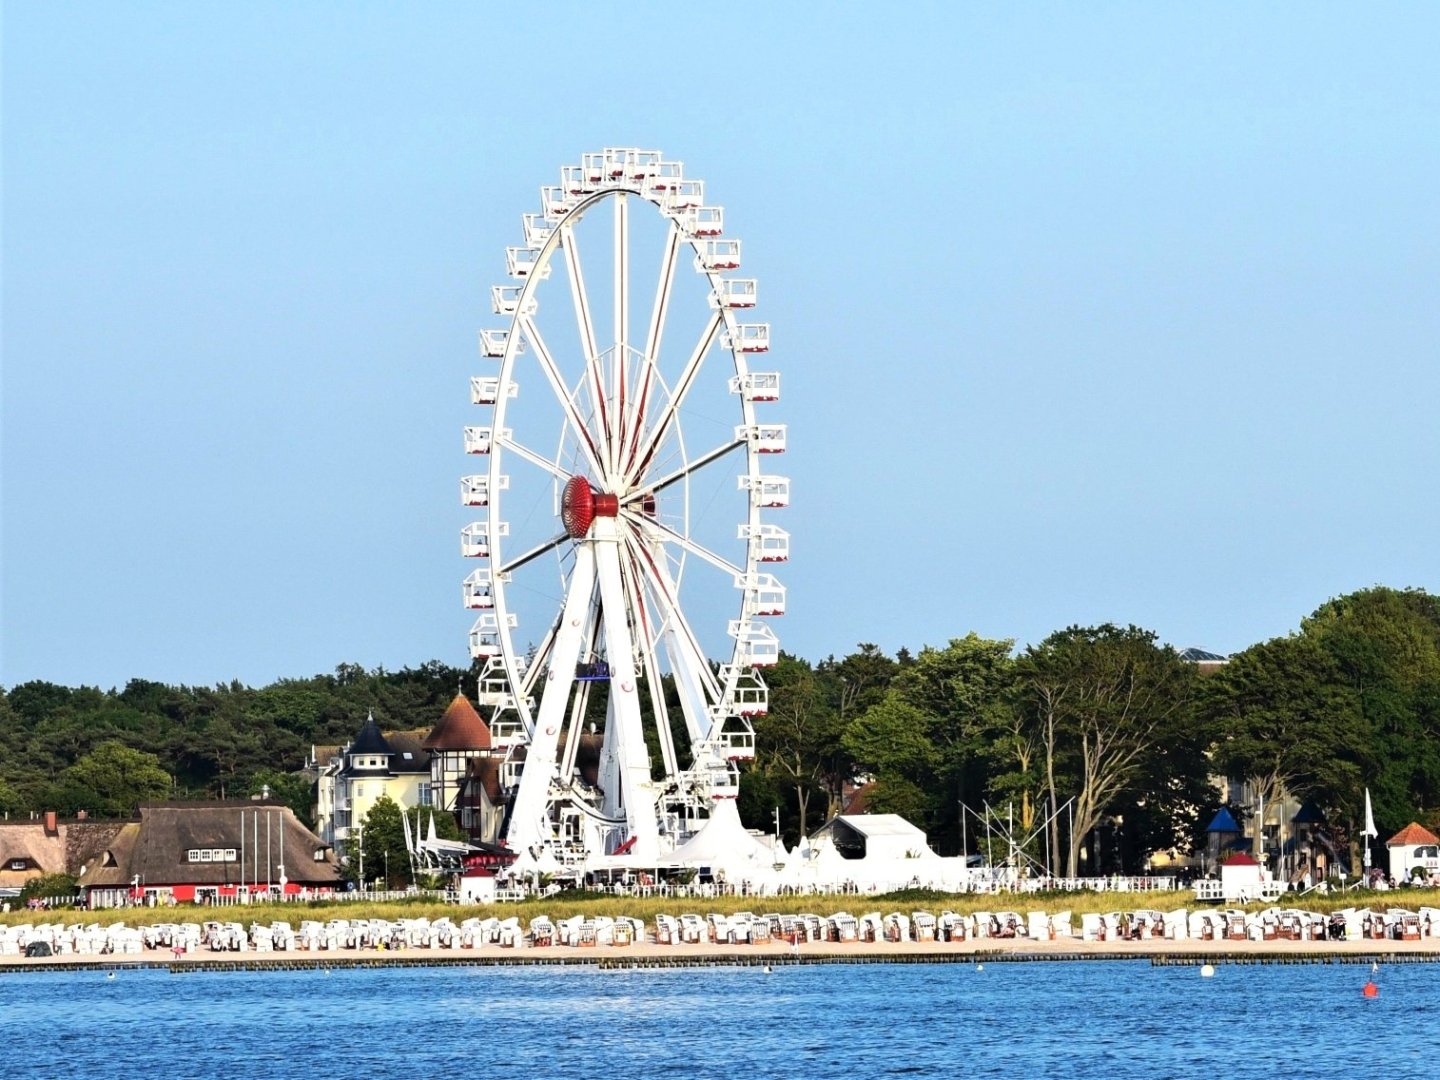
1223 822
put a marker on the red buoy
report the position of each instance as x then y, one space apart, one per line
1371 990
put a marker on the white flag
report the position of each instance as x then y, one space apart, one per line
1370 829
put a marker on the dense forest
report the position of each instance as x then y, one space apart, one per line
1104 722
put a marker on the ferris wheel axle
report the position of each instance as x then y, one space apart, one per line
580 505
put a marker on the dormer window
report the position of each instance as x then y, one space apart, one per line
204 855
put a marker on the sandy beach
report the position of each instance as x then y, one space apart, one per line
702 955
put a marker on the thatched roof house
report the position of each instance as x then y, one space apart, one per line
48 845
186 851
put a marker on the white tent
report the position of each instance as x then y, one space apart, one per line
726 845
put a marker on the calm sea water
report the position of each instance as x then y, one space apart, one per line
1114 1020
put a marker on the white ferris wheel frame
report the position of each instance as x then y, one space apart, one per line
620 571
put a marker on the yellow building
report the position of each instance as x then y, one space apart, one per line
354 778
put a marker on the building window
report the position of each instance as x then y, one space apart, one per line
196 855
425 795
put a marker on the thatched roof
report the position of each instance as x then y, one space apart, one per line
27 843
157 847
73 845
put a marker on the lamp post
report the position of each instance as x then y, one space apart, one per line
361 830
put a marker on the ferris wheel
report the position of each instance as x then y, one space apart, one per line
625 492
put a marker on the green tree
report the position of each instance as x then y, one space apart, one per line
291 788
798 737
383 840
1108 698
934 729
119 777
1285 719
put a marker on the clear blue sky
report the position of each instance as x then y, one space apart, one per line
1086 312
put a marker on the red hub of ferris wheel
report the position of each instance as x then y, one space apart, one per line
580 505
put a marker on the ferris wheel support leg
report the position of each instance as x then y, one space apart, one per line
625 735
529 823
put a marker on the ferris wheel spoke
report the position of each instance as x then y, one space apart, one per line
688 469
522 451
621 297
650 527
697 682
645 645
570 246
653 337
534 553
557 386
656 437
581 299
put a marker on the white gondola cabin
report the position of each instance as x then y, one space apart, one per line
505 300
485 634
771 492
758 645
475 490
555 202
764 594
493 343
520 262
475 539
663 176
747 338
736 293
476 591
736 739
494 686
773 542
683 195
766 438
718 255
750 696
537 229
575 180
485 389
702 220
592 169
724 783
757 385
627 163
480 440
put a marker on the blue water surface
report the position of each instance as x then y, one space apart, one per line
1111 1019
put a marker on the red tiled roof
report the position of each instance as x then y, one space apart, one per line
1413 833
459 729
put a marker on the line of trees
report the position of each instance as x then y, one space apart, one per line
73 749
1103 722
1104 743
